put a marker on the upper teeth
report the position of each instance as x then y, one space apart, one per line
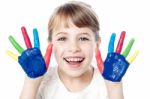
74 59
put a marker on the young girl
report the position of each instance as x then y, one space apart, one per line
74 33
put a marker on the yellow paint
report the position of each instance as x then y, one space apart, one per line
132 58
12 55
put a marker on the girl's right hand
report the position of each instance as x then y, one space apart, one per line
31 60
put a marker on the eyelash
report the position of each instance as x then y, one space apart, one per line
81 39
61 39
84 39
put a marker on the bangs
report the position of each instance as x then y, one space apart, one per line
78 14
60 20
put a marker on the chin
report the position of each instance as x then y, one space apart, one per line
74 69
75 72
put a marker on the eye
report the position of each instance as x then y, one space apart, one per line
61 39
84 39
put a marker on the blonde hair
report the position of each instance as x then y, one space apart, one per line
80 14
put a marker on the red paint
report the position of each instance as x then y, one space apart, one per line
48 55
120 42
26 37
99 60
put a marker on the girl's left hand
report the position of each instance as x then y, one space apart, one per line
115 65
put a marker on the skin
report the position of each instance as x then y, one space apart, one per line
73 42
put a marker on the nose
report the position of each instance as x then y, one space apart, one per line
74 47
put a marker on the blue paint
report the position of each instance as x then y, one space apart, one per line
115 66
111 43
36 38
32 62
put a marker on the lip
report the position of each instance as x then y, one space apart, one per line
74 64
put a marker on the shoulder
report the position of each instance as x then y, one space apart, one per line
99 82
97 74
49 79
50 74
97 88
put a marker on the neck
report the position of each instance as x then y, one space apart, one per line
75 84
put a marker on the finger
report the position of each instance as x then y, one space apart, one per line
99 60
120 42
132 58
15 44
26 37
48 55
12 55
111 43
36 38
128 48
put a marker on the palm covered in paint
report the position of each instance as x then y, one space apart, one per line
115 64
31 59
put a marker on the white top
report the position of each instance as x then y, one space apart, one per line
53 88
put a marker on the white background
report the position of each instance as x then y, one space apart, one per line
132 16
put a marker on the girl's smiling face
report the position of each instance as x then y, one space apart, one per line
73 48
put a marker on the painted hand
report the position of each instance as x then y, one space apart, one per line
115 65
31 60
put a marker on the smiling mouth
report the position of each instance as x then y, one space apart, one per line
74 61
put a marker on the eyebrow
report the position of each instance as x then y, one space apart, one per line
84 33
61 33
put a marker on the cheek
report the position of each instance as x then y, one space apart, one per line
89 50
58 50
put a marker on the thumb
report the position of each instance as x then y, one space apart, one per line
48 55
99 60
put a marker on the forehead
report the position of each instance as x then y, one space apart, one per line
66 24
69 27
